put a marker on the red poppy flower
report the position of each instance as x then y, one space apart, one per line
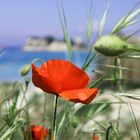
39 132
96 137
63 78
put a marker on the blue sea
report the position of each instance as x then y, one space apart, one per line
12 59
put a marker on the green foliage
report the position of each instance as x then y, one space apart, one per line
92 110
127 20
103 20
64 27
112 133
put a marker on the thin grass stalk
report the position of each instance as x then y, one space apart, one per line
24 90
97 82
10 131
135 123
114 67
103 20
126 20
64 27
87 64
131 35
3 126
89 32
63 122
88 56
90 22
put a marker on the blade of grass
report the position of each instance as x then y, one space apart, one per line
11 130
90 22
131 35
130 57
64 27
63 122
88 56
103 20
135 123
89 31
110 129
97 82
89 61
127 20
114 67
130 95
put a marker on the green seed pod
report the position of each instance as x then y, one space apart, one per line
25 70
111 46
74 121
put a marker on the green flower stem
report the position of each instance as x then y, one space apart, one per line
116 134
54 117
133 48
107 132
118 76
115 72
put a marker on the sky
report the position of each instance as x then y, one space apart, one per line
22 18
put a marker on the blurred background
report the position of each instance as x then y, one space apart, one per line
30 29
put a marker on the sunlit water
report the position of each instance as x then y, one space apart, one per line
12 59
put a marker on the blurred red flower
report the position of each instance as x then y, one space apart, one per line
39 132
63 78
96 137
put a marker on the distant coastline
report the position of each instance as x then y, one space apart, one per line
49 43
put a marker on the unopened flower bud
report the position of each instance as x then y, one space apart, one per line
25 70
74 121
111 46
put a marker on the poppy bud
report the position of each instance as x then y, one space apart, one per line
74 122
111 46
25 70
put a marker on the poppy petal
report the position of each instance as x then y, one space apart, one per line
84 96
40 80
66 73
38 132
